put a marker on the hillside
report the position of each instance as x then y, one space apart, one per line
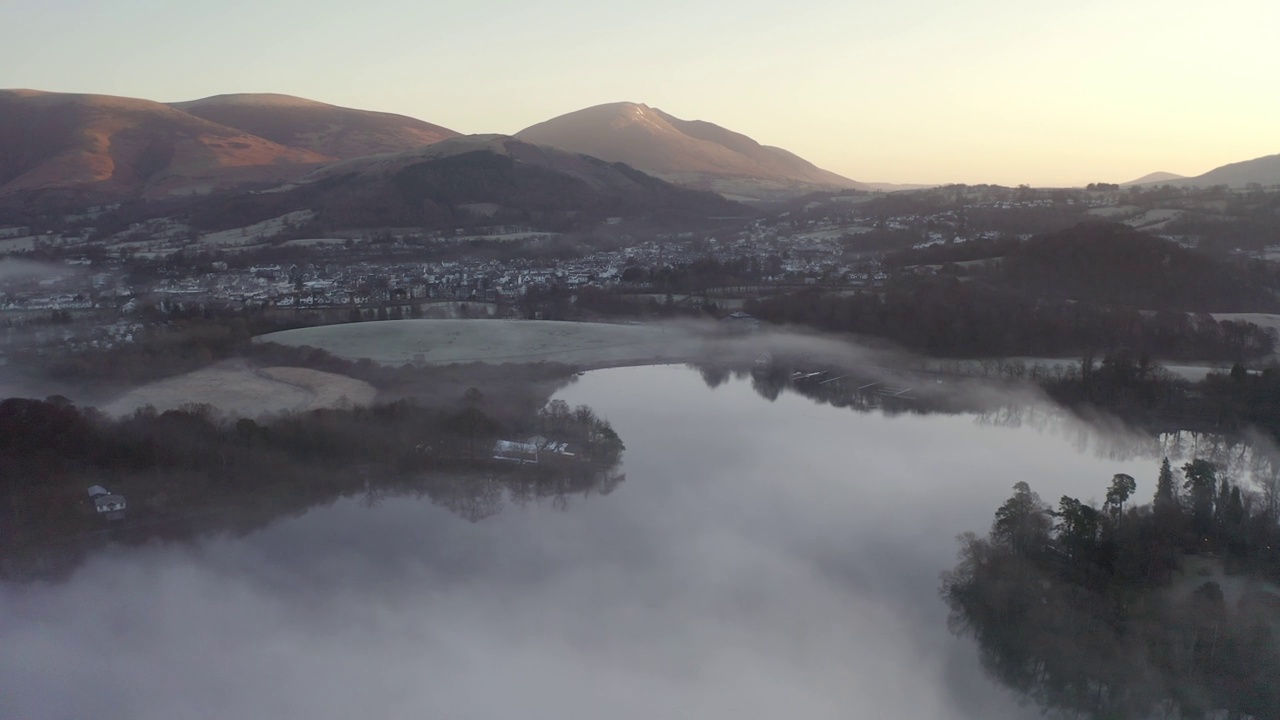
1114 264
472 180
1155 177
329 130
1105 263
691 153
1264 171
105 147
1092 288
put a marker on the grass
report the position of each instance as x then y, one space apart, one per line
240 389
442 342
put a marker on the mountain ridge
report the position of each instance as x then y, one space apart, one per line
112 147
332 130
1263 170
1155 177
469 180
694 153
83 147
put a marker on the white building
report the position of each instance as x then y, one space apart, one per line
107 504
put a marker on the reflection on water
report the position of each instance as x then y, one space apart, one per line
477 496
1250 458
762 559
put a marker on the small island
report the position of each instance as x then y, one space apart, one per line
194 470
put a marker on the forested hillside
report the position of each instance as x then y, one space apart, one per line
1107 263
945 316
446 192
1110 263
1092 289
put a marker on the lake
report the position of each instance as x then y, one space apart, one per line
762 559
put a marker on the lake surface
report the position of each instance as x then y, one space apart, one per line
762 559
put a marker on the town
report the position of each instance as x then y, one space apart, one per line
73 286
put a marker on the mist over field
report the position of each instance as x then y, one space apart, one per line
12 268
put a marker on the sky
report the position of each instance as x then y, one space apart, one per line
914 91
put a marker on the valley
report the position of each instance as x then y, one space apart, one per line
565 408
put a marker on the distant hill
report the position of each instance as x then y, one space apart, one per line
329 130
74 147
687 152
106 147
1264 171
1155 177
895 187
472 180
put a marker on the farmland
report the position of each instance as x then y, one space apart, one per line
237 388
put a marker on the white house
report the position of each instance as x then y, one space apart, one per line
740 322
517 452
107 504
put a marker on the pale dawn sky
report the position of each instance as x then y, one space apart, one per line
925 91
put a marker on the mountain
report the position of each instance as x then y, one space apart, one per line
1155 177
106 147
471 181
692 153
336 132
1263 171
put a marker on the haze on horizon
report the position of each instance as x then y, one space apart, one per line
924 91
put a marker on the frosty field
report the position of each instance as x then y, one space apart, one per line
441 342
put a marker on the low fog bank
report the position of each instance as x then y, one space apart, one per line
17 270
17 383
725 628
533 349
763 559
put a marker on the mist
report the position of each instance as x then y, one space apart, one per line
761 559
18 269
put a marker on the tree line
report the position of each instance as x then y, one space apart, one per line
948 317
194 459
1126 609
1139 391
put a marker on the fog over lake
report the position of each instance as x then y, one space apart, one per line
761 560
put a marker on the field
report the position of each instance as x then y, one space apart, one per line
20 244
251 236
833 233
441 342
239 389
1266 321
309 242
1153 219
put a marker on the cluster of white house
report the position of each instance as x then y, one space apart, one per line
531 451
